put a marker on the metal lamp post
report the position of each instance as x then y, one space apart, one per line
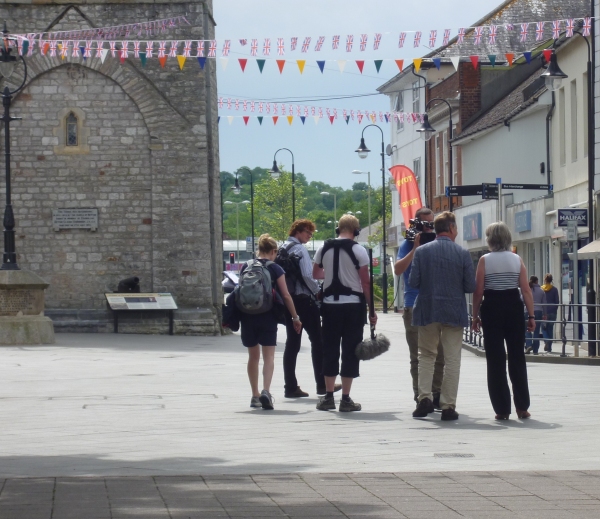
237 217
368 173
363 153
237 190
325 193
427 131
7 66
275 172
553 77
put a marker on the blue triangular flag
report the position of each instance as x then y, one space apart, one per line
82 50
437 62
302 118
321 65
218 119
492 58
386 119
25 48
527 56
347 119
143 58
201 62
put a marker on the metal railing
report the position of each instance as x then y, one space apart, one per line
569 317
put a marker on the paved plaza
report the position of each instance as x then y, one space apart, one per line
115 426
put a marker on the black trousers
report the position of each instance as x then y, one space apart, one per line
311 322
502 321
345 323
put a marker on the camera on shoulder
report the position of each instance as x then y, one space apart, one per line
417 227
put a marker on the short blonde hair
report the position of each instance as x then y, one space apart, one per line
498 237
266 244
348 223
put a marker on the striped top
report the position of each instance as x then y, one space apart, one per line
502 270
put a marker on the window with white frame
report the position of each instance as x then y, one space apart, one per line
416 95
399 109
417 168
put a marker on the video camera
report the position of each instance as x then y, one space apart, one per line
417 227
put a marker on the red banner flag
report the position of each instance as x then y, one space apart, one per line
408 189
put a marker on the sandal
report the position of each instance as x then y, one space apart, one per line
523 414
502 416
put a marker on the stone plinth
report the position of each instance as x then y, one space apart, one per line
22 319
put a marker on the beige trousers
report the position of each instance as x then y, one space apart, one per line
450 337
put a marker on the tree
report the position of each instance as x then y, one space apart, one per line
273 205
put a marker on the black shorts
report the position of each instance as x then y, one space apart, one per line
259 329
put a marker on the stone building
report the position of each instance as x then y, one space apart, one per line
136 142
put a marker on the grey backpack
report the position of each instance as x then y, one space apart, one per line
255 293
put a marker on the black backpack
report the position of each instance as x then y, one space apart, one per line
290 263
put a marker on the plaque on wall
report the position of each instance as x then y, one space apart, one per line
80 218
141 301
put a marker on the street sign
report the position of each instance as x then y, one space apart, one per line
249 243
489 191
469 190
572 215
544 187
571 230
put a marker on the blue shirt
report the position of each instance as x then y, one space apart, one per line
410 294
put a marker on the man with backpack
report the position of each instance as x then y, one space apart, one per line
293 257
344 265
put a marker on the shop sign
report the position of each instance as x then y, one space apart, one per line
523 221
472 227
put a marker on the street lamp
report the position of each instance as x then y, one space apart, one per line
237 190
275 173
237 218
427 131
363 153
325 193
368 173
7 66
554 76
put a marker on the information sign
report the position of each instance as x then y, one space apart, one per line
158 301
572 215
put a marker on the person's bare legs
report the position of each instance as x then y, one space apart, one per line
268 353
253 360
346 384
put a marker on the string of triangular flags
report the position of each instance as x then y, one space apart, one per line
287 110
366 117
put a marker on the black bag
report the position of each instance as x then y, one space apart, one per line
290 263
231 313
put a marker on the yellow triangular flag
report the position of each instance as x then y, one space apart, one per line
372 117
181 60
301 63
417 63
290 118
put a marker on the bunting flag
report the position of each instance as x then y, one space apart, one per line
226 47
556 29
378 63
254 47
246 119
261 64
587 26
437 62
432 38
510 58
455 61
342 65
224 62
492 58
400 64
474 60
363 42
306 44
293 43
301 63
242 62
181 61
201 62
527 56
461 36
446 39
417 64
335 42
492 35
408 189
275 119
349 42
401 40
478 34
360 64
290 118
524 29
280 65
570 27
377 41
539 31
417 41
319 44
267 47
547 54
280 47
321 65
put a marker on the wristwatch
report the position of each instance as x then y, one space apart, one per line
297 318
531 317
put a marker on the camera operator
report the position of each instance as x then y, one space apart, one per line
403 266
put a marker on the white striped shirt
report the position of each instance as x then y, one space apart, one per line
502 270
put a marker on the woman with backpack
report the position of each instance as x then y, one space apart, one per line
259 327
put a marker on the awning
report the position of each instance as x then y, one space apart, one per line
590 251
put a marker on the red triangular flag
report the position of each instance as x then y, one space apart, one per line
400 63
360 64
121 59
243 62
331 118
246 119
474 60
162 61
280 64
547 55
510 57
275 117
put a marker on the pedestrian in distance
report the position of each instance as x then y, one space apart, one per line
293 257
259 330
500 274
344 265
552 302
443 273
539 306
402 266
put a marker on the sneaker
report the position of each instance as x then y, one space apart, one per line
323 390
529 349
424 407
349 405
325 404
449 414
436 401
266 399
255 402
297 393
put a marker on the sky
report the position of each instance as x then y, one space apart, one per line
322 151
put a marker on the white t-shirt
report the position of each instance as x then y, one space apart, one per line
347 274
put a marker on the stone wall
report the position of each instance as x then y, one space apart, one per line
146 160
